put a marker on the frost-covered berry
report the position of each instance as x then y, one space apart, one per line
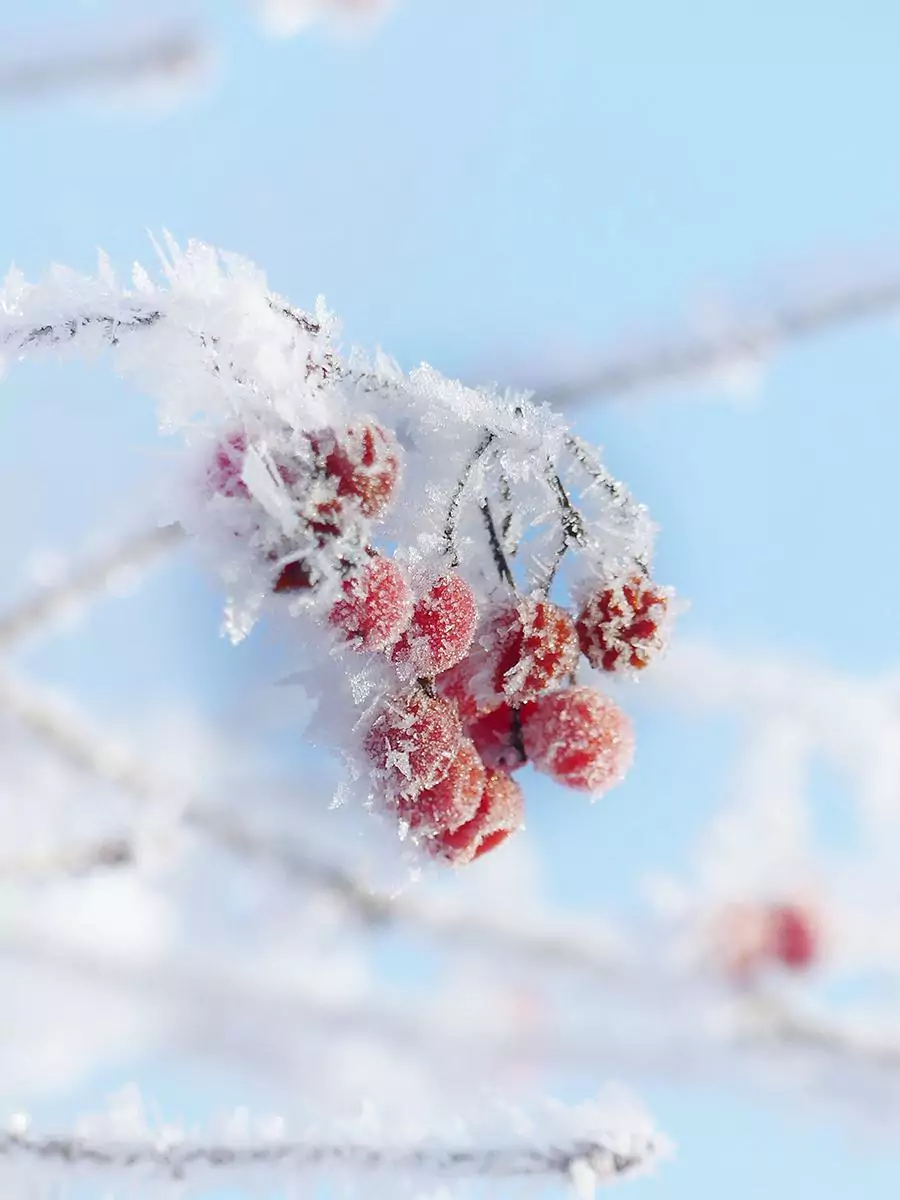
499 814
621 626
452 802
579 737
375 607
363 462
441 630
535 648
792 936
469 686
224 473
413 741
498 736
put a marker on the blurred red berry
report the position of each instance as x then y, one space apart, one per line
498 736
441 630
620 626
375 606
579 737
499 814
363 462
535 648
413 741
792 936
452 802
224 474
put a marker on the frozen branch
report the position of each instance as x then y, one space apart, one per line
584 1162
85 581
744 343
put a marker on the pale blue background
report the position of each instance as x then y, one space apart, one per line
472 183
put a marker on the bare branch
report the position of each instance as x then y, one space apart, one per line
52 603
670 364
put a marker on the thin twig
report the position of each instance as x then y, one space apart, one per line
179 1160
571 525
86 580
668 365
450 546
500 560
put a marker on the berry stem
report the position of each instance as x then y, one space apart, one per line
571 523
500 560
481 449
620 496
510 546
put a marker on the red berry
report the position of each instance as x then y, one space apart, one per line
535 649
469 686
413 741
441 630
499 814
375 607
620 626
498 736
363 462
453 801
579 737
456 685
224 473
293 577
792 936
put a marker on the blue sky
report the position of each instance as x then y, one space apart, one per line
472 183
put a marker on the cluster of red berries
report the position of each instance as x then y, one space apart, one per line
484 706
755 936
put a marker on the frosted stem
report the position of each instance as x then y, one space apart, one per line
182 1160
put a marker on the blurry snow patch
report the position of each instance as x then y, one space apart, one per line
284 18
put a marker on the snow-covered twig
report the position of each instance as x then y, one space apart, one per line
584 1157
86 580
178 1161
741 344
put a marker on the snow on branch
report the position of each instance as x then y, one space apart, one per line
736 345
582 1147
287 17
